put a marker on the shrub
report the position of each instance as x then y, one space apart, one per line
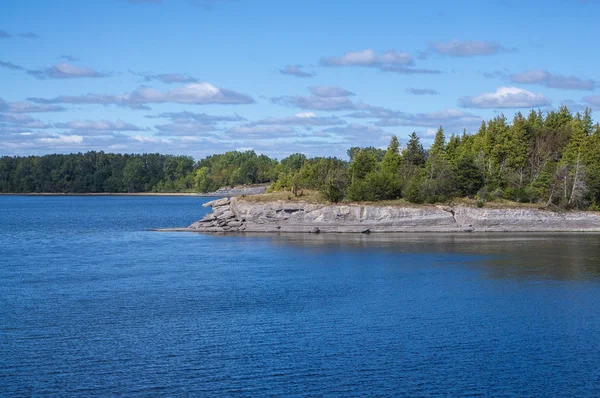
412 191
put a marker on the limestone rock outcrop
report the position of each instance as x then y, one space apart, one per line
239 215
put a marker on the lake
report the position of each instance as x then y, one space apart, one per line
93 303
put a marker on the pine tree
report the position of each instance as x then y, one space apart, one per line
414 153
391 159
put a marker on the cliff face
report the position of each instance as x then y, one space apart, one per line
238 215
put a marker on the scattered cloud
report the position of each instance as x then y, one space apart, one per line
193 93
369 58
167 78
27 107
573 106
422 91
325 98
547 79
305 119
4 34
330 91
409 71
472 48
259 131
296 70
203 118
192 124
21 121
372 112
496 74
102 125
593 100
505 97
69 58
316 103
10 65
61 70
62 139
355 130
189 128
391 61
65 70
448 118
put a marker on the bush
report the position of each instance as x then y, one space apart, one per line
523 195
332 192
436 190
358 191
412 191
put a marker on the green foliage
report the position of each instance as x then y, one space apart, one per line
551 159
467 177
332 191
391 160
378 153
364 162
414 153
412 190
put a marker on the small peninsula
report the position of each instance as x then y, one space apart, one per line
240 214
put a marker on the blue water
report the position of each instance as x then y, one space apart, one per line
92 303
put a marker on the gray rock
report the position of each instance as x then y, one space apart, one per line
280 216
227 214
216 203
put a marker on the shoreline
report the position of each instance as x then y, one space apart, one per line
219 193
203 195
237 215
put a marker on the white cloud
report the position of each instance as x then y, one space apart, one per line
167 78
545 78
330 91
193 93
102 125
305 119
62 139
369 58
296 70
469 48
505 97
305 115
27 107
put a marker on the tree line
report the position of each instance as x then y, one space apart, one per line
548 158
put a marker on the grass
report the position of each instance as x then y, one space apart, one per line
309 196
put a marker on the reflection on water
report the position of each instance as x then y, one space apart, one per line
560 256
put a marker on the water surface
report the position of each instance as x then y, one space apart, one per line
94 304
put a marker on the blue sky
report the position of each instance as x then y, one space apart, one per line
198 77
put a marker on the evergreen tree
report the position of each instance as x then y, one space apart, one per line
414 154
391 159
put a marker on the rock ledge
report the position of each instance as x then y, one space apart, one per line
238 215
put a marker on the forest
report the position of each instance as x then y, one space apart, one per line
552 159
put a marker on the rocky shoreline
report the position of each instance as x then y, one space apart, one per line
239 215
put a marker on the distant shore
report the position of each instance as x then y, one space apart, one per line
209 195
221 192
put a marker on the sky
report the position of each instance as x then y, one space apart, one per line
199 77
